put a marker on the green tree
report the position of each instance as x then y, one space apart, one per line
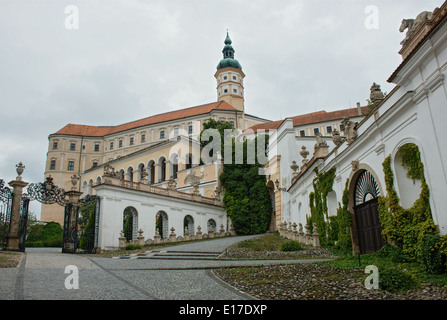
246 198
213 128
49 234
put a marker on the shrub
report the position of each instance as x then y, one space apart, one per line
395 280
291 246
432 259
132 246
393 252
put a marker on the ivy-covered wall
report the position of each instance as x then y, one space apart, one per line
334 230
318 202
406 228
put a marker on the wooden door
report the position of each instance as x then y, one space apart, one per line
369 229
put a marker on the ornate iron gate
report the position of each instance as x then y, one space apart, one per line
48 193
23 224
88 224
6 200
70 235
5 212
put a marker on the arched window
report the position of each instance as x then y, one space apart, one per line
188 161
162 169
188 224
366 188
408 189
151 172
174 165
161 224
140 171
89 188
332 204
211 224
130 223
84 187
129 174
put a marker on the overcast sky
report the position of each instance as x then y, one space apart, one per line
131 59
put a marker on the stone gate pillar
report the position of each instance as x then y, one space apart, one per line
71 218
18 185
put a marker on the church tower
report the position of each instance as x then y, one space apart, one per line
230 78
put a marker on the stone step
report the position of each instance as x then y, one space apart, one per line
173 255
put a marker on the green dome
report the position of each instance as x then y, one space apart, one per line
228 56
229 62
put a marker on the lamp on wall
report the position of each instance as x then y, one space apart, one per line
277 186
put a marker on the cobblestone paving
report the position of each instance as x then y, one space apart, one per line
41 275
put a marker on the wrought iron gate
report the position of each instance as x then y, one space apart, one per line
23 224
48 193
5 212
6 200
85 237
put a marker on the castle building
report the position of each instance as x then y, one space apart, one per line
83 149
153 164
367 162
163 150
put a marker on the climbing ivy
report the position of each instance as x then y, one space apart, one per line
411 160
406 228
344 241
322 184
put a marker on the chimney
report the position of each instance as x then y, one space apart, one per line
359 109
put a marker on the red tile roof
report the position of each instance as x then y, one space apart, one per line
314 117
100 131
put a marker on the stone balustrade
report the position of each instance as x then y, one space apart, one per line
174 238
140 186
289 231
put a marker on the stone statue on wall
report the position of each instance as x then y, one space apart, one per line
412 24
109 171
192 178
144 175
320 142
349 130
376 96
172 184
336 138
304 153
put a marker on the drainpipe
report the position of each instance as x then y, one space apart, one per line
79 166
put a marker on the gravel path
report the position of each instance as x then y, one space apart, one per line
316 282
41 275
171 273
